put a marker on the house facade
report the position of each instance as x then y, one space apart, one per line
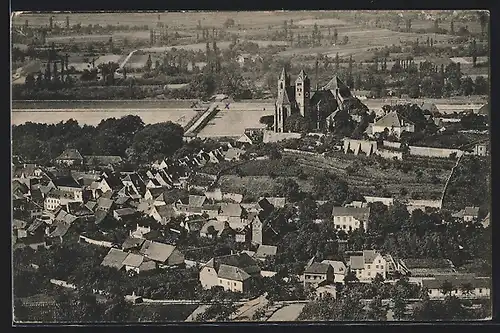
232 272
317 273
350 218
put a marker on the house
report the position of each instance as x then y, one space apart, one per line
191 205
193 225
486 221
468 214
114 258
350 218
164 254
124 214
244 141
480 149
155 194
212 228
233 154
105 204
260 229
394 123
233 272
276 202
212 211
112 183
56 232
132 243
326 289
461 287
137 263
162 214
339 269
103 161
135 184
367 264
265 251
70 157
234 214
67 184
423 268
316 273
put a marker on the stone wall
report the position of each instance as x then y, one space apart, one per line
434 152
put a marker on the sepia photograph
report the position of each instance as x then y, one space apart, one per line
250 166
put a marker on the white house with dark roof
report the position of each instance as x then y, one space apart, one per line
394 123
339 269
232 272
350 218
367 264
467 287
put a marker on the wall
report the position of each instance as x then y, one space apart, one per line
214 195
385 201
434 152
96 242
270 136
392 144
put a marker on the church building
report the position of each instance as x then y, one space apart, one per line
319 107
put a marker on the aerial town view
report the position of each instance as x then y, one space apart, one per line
250 166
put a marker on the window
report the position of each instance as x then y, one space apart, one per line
376 266
343 219
228 283
235 284
220 281
368 266
368 273
480 291
381 266
379 261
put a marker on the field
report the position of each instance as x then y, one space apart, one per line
94 116
185 20
233 122
361 40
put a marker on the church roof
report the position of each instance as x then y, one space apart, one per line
335 84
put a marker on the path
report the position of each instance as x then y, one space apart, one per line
287 313
124 62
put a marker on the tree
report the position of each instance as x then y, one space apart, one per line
289 188
346 39
446 288
297 124
229 23
335 36
158 140
480 86
377 311
267 120
483 20
467 288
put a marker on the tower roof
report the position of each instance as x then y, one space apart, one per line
283 98
302 76
284 74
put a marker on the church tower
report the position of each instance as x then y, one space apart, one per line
283 81
303 93
283 105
